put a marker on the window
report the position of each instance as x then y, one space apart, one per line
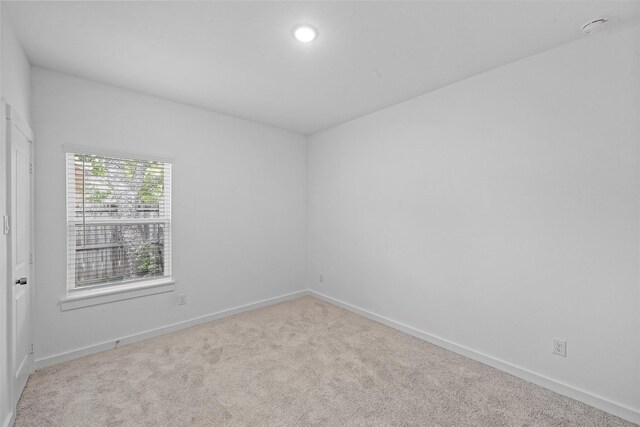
118 220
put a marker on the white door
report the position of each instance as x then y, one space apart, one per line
20 168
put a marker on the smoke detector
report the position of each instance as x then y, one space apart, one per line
594 26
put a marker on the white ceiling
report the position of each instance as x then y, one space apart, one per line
239 58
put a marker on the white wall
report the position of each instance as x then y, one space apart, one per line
14 86
497 213
239 207
5 407
16 71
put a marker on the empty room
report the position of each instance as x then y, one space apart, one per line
320 213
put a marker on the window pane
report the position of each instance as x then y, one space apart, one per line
118 188
118 252
119 220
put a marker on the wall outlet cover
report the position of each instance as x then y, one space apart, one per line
560 347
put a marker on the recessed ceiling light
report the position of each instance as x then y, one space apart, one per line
305 33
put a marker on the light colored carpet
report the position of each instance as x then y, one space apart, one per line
299 363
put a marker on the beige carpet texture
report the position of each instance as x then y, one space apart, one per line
302 362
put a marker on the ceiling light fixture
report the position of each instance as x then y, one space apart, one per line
305 33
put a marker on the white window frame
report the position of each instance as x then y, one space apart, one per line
116 291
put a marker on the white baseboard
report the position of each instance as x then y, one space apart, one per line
591 399
108 345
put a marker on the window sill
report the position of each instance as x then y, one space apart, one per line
79 299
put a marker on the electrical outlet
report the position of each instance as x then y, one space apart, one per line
182 299
322 278
559 347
